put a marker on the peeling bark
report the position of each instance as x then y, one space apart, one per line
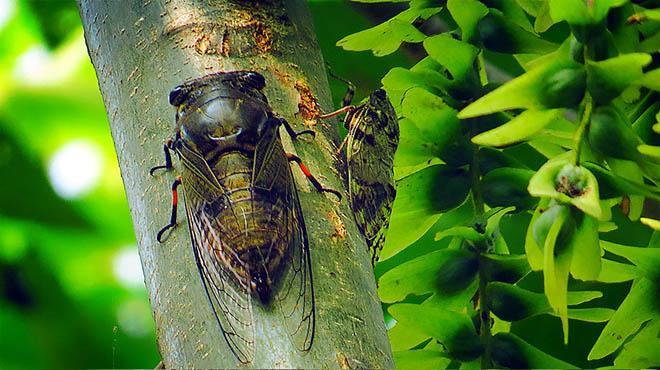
140 50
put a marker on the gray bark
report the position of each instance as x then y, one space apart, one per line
141 50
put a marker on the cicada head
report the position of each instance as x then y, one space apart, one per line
222 108
377 112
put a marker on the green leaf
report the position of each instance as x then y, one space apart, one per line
586 262
651 79
457 56
616 185
582 12
454 330
596 314
633 173
616 272
556 265
421 275
551 84
650 150
652 223
608 78
421 198
518 129
405 31
498 33
646 259
386 37
436 122
413 147
403 79
543 19
641 352
403 337
466 14
514 353
559 179
463 232
578 297
638 308
421 359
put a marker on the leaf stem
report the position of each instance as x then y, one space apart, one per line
477 197
479 208
584 121
484 319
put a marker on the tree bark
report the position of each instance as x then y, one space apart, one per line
141 50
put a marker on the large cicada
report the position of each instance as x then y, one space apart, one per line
247 227
372 139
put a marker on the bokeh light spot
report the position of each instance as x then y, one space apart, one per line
75 169
134 318
32 65
127 267
6 11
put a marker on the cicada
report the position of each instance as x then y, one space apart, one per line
248 232
372 140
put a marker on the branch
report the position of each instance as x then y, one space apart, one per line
140 51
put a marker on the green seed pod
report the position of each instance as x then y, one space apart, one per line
512 303
544 223
564 87
508 187
508 353
457 273
506 268
611 135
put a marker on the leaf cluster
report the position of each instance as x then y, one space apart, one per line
541 114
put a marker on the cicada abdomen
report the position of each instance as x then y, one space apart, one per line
247 228
372 140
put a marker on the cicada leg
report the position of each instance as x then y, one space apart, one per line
175 203
342 110
293 133
168 158
346 106
294 158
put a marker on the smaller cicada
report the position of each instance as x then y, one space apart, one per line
247 227
372 139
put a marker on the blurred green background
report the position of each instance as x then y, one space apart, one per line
71 286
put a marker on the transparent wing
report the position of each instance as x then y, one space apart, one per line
296 295
228 291
295 291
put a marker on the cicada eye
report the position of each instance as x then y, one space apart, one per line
177 95
256 80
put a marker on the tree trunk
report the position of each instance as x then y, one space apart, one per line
141 50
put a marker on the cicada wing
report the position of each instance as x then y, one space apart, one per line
371 186
296 294
228 292
295 291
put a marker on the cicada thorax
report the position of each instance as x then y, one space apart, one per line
372 141
222 125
